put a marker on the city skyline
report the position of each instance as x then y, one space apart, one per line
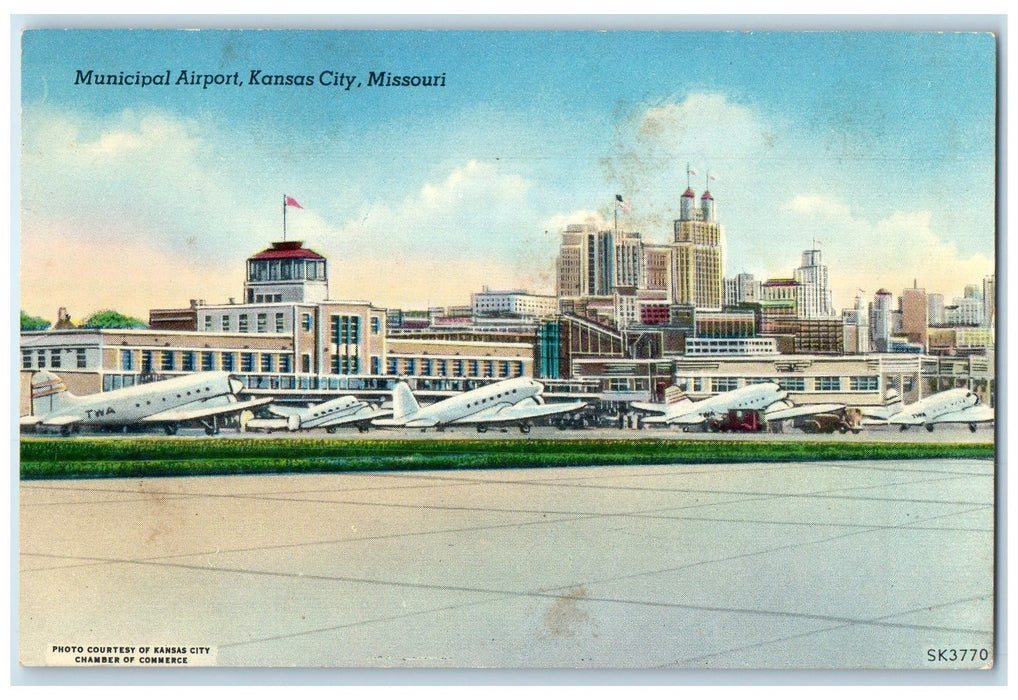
421 196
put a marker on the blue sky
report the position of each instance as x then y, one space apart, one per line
880 145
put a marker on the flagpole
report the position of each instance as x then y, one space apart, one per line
284 216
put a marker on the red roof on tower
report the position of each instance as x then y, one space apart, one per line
287 249
689 193
706 195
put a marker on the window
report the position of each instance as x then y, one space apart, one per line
226 323
392 366
41 355
26 359
285 364
376 325
793 383
427 367
720 384
279 322
208 322
863 383
411 366
247 362
80 357
827 383
228 362
263 323
266 362
146 361
54 358
305 363
169 361
306 322
376 365
207 361
188 362
242 323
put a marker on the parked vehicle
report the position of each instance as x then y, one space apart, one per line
737 420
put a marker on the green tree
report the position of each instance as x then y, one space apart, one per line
33 323
113 319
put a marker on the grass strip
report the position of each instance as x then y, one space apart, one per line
154 457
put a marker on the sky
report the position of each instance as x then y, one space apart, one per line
877 146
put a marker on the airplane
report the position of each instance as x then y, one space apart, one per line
951 406
767 397
202 397
345 410
511 401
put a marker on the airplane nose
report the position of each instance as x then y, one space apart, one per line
236 386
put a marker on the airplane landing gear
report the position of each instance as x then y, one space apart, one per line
972 427
170 428
929 427
524 428
482 428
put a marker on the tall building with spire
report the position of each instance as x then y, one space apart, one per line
815 299
698 253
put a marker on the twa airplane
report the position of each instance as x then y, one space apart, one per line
346 410
767 397
951 406
202 397
512 401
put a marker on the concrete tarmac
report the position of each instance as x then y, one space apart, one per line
821 565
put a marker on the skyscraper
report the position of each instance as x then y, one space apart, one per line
915 315
698 253
815 299
989 301
881 320
586 262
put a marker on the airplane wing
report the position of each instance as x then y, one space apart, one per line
513 413
908 419
684 419
980 413
410 423
650 407
808 409
176 415
267 424
59 421
366 413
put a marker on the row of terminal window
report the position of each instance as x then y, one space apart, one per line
454 368
243 323
307 324
720 384
53 359
205 361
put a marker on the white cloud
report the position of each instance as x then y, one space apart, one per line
822 205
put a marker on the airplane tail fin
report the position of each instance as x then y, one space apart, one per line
404 405
893 402
49 393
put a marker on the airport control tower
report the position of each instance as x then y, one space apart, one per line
286 272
